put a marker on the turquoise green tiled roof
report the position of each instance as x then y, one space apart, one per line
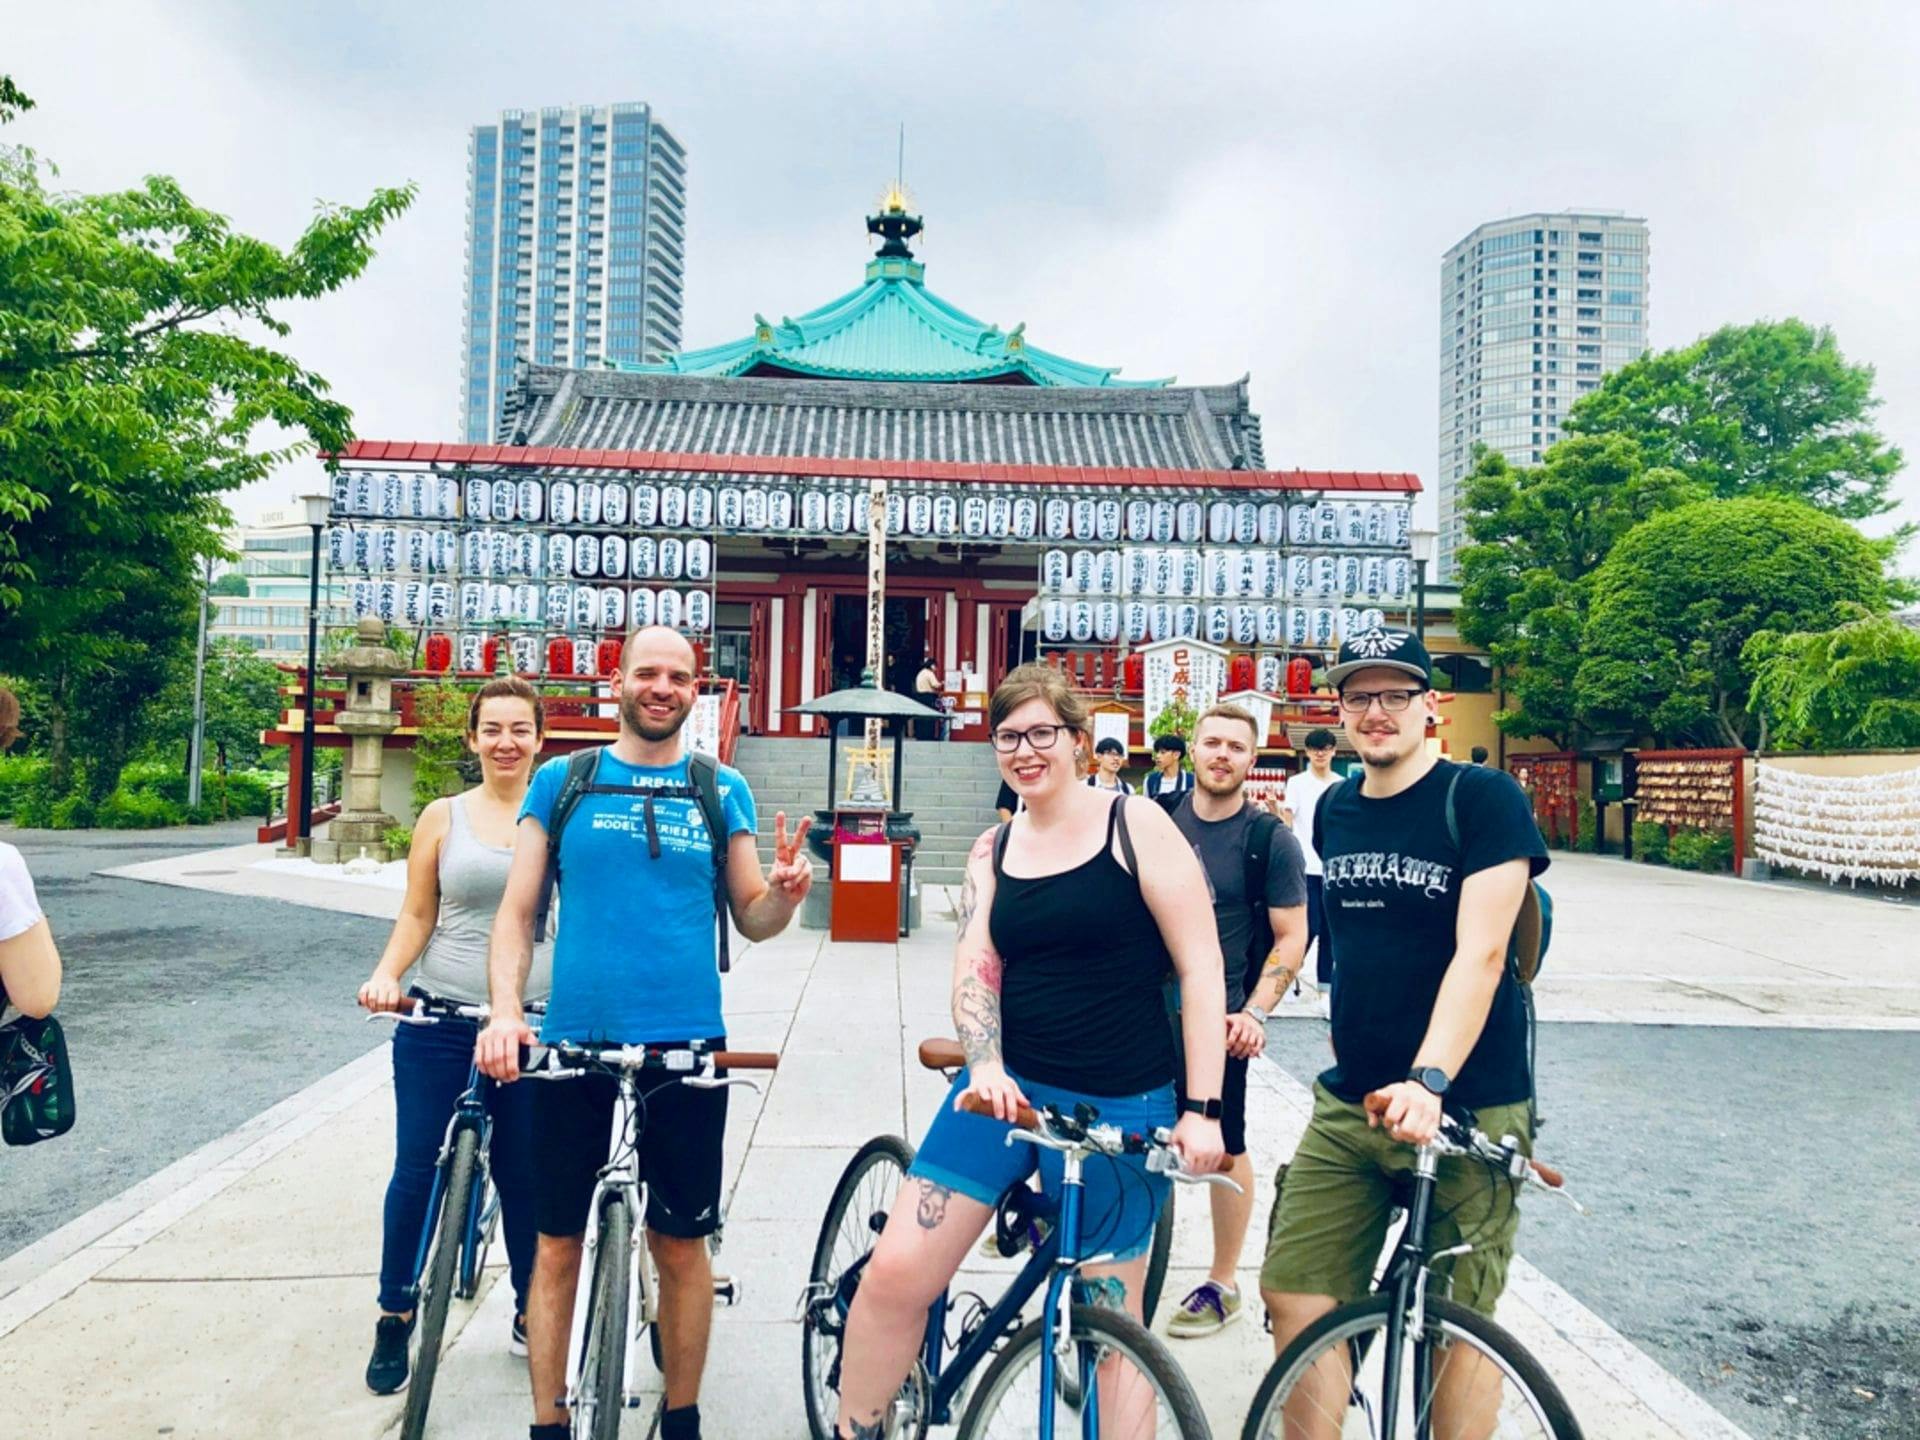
891 328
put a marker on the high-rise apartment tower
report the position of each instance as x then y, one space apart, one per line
576 246
1534 311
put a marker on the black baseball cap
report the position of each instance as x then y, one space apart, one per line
1380 647
1109 746
1169 742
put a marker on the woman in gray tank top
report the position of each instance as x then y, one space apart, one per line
456 873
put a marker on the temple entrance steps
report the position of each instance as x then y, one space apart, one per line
949 788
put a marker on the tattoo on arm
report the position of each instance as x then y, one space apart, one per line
1277 966
969 902
976 1009
932 1209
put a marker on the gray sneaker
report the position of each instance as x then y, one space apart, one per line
1207 1310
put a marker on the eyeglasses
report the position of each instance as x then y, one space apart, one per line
1040 737
1357 702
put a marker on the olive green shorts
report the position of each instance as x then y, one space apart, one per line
1329 1218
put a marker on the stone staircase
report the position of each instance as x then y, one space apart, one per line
949 789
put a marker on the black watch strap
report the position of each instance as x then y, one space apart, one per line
1210 1109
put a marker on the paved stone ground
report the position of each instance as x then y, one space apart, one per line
188 1012
1754 1197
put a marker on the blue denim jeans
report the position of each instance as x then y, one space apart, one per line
430 1068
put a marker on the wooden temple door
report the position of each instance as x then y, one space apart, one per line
763 649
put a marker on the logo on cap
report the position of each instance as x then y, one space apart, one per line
1375 643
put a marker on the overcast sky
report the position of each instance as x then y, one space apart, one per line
1199 190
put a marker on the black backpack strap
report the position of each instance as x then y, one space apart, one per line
582 767
1002 833
704 772
1258 855
1117 825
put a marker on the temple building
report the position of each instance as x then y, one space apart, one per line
1037 506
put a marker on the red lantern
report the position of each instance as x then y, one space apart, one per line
1136 674
490 656
439 653
1299 676
607 657
1240 674
559 656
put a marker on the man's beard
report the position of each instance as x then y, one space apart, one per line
1204 779
646 729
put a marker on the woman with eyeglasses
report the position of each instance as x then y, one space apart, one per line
1071 916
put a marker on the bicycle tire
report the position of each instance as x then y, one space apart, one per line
819 1353
437 1290
1365 1321
483 1216
1157 1260
603 1367
1111 1330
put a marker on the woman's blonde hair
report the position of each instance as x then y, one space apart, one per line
1037 681
507 686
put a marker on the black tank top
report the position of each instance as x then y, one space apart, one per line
1083 967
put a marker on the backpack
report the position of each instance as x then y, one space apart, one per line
1526 951
704 786
1256 851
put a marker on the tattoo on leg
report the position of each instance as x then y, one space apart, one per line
876 1431
933 1204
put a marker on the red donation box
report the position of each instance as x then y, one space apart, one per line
866 878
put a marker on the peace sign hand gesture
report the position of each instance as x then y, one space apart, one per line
792 873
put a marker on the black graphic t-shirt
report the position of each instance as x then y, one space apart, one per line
1392 895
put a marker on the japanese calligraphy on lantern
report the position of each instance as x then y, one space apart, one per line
1191 671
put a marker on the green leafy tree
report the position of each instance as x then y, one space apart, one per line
231 583
1854 687
1538 535
242 698
1676 602
1771 408
130 401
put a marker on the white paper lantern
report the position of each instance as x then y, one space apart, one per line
860 518
585 607
1299 575
1267 672
1106 572
1372 619
1165 569
1106 520
669 609
1272 526
504 500
1299 625
1350 576
1326 524
559 555
342 493
472 652
999 517
1398 572
528 553
501 544
1353 523
1326 575
479 500
1058 515
339 547
780 509
642 557
672 558
1399 526
1219 623
646 505
445 551
1080 571
1165 522
583 656
1160 621
473 602
730 508
840 512
1376 524
1189 521
1246 624
526 603
386 549
439 602
699 611
419 501
1300 523
499 603
1081 621
1373 577
673 506
1246 522
1053 619
813 511
973 516
1085 518
1026 517
613 556
1270 626
945 516
1219 571
613 607
641 608
614 504
1135 618
1137 570
1187 577
413 602
587 502
699 559
523 651
558 607
562 496
1322 637
1273 578
1055 575
393 494
446 498
361 546
1186 621
700 507
1139 521
1220 522
414 549
1106 621
586 556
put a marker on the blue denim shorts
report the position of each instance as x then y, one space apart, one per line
1121 1200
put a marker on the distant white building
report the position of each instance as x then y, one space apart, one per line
272 615
1534 311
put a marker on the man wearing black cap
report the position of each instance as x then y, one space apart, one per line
1168 776
1426 864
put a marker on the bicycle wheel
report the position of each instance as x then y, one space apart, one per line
855 1216
483 1219
1487 1384
596 1415
1144 1393
1157 1260
437 1289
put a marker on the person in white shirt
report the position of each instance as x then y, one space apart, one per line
1108 756
29 961
1168 776
1303 795
926 689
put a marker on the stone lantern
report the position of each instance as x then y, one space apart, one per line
369 717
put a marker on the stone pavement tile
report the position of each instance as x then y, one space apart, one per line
770 1258
788 1183
833 1100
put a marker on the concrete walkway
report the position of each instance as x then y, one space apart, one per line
232 1295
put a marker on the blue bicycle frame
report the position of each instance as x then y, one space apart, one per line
469 1113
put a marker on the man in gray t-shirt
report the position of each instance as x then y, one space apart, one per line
1224 827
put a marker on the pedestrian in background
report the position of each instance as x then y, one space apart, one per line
1478 754
456 873
1108 756
29 960
926 689
1303 798
1168 776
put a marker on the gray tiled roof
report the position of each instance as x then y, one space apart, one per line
1175 428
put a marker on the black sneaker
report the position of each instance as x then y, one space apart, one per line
517 1343
387 1370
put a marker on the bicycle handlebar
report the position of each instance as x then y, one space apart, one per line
432 1009
1058 1131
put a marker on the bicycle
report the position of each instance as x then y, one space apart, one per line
1375 1369
1042 1368
617 1297
463 1209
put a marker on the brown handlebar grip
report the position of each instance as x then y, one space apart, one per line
408 1004
1026 1118
745 1059
1547 1173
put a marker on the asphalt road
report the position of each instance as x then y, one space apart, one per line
187 1012
1755 1199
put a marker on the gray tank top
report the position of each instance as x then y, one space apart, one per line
473 877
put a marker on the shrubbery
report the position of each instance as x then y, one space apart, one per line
1709 851
151 794
1650 842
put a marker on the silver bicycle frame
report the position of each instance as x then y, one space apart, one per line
622 1177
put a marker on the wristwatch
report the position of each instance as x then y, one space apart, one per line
1256 1012
1210 1109
1431 1076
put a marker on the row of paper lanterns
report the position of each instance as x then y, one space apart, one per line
526 654
1313 627
1222 574
578 607
939 514
393 550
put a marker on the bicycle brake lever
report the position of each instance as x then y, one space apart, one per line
710 1082
400 1017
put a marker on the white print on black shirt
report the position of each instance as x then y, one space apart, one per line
1378 867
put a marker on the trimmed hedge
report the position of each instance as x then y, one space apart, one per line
1650 842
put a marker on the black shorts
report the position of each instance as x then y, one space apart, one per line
1233 1104
680 1151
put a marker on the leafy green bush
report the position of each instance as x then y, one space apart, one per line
1711 852
1589 826
440 712
20 775
398 840
1650 842
139 810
